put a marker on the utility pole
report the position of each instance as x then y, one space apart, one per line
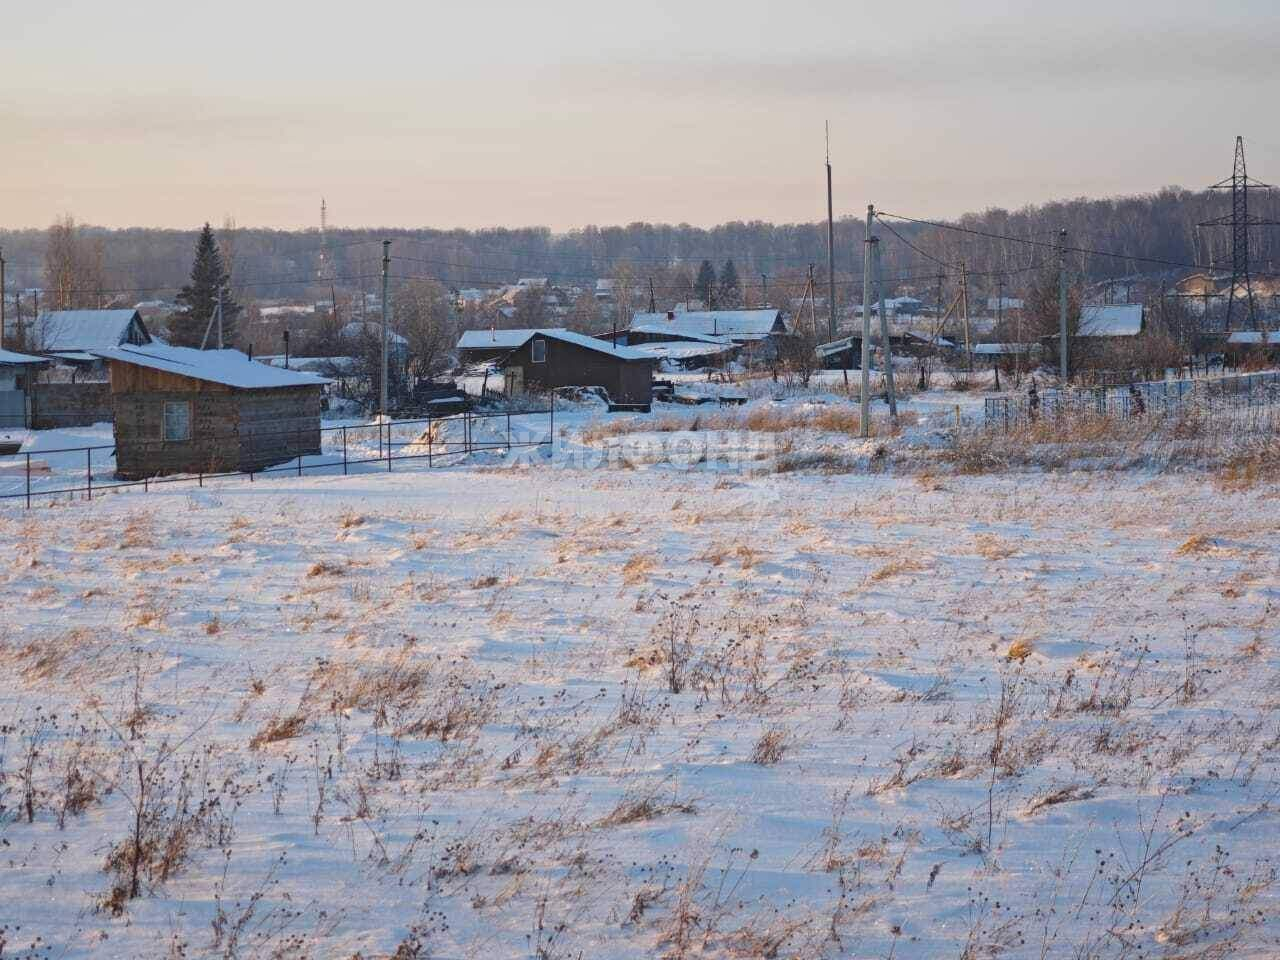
653 301
831 242
386 320
885 343
1063 364
1 298
764 297
220 344
866 325
964 299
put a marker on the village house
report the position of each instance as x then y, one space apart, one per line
179 410
483 346
73 336
674 348
545 360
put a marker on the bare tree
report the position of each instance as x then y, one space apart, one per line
73 267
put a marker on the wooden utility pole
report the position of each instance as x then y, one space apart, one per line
866 325
386 321
964 299
653 300
831 243
1 298
885 343
1064 365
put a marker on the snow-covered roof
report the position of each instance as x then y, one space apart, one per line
1111 320
681 349
229 367
10 359
688 335
999 349
84 329
499 339
591 343
1253 336
730 323
359 328
1004 303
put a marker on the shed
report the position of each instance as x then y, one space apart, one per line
179 410
17 372
547 359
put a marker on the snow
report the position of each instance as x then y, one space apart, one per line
9 358
499 339
83 330
752 324
686 335
229 367
1252 336
680 349
488 749
1111 320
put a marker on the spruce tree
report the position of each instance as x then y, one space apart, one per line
200 297
730 288
705 285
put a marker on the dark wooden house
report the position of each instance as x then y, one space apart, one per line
483 346
548 359
179 410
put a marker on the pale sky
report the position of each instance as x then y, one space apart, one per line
564 113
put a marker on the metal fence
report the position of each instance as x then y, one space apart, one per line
348 449
1152 398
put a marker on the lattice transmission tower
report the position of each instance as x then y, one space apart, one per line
1240 220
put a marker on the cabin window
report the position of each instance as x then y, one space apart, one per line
177 419
539 350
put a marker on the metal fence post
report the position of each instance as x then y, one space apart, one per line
299 429
388 446
344 451
431 442
88 473
28 481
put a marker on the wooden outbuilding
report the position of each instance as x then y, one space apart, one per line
179 410
549 359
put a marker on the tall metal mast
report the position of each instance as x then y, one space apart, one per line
1240 220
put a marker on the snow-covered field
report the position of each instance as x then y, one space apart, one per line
554 713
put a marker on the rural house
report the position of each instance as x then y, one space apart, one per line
72 336
547 359
179 410
482 346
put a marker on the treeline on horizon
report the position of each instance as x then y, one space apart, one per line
142 263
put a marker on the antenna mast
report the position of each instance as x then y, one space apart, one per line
326 264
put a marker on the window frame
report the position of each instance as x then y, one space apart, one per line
164 420
533 350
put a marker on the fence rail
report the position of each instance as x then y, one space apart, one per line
1152 398
345 449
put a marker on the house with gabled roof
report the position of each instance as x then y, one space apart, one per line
179 410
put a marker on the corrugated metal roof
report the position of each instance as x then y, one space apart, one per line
63 330
591 343
229 367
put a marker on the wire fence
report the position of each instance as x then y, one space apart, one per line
1156 398
348 449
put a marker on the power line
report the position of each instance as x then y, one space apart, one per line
1040 243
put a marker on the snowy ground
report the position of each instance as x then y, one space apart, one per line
550 712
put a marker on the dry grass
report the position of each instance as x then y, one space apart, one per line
1019 650
277 729
843 419
993 548
323 568
896 568
636 570
771 746
1198 543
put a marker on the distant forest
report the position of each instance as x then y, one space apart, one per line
138 264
